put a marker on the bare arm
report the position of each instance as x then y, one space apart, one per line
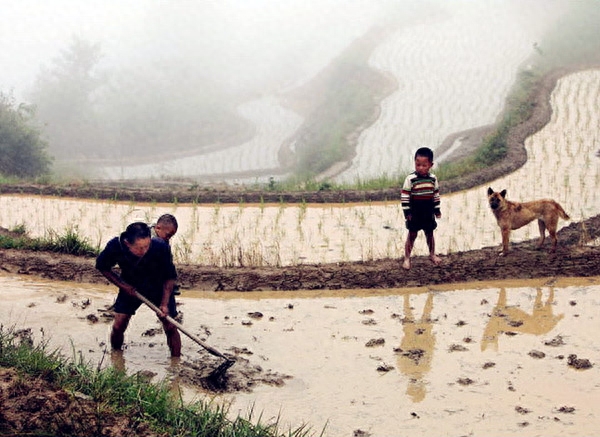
167 291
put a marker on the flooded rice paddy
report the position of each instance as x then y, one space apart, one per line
439 90
505 358
452 74
481 359
562 164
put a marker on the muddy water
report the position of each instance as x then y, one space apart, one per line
481 359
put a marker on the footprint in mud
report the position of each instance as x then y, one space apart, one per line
578 363
92 318
375 342
555 342
151 332
537 354
457 348
384 368
465 381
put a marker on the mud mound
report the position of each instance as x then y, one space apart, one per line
33 406
573 258
242 376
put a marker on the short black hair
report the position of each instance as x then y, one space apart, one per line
168 220
136 231
425 152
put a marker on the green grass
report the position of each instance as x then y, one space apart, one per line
132 396
69 242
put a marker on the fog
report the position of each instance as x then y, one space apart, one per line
234 90
244 44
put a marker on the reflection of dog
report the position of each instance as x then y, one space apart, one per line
514 215
511 318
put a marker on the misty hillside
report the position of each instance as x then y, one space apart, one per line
245 91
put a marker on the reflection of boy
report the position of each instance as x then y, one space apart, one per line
417 348
165 228
420 199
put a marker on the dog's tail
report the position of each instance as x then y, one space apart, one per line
561 212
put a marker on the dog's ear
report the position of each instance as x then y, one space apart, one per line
490 191
503 193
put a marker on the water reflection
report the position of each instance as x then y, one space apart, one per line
416 348
335 381
511 318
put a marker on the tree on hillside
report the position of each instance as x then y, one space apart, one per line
22 150
64 98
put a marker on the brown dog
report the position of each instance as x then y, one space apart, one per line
514 215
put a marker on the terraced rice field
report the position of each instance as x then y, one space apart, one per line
562 164
453 74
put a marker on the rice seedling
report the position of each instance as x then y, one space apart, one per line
182 251
216 213
301 211
367 250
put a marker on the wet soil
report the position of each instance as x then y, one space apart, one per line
572 258
33 404
26 404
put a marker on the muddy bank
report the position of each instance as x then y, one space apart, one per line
32 404
573 258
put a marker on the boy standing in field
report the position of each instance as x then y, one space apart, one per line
165 228
420 199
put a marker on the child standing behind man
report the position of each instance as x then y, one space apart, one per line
420 199
165 228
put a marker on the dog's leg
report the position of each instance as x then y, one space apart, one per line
542 227
552 232
505 240
552 224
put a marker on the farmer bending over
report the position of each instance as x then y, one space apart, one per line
146 267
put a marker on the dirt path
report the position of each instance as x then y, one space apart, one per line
573 258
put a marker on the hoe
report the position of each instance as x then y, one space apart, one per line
217 374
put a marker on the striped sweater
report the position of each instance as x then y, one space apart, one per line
420 195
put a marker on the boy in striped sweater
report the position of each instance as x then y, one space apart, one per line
420 199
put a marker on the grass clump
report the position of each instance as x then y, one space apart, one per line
69 242
108 398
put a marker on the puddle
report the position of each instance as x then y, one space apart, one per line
439 361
